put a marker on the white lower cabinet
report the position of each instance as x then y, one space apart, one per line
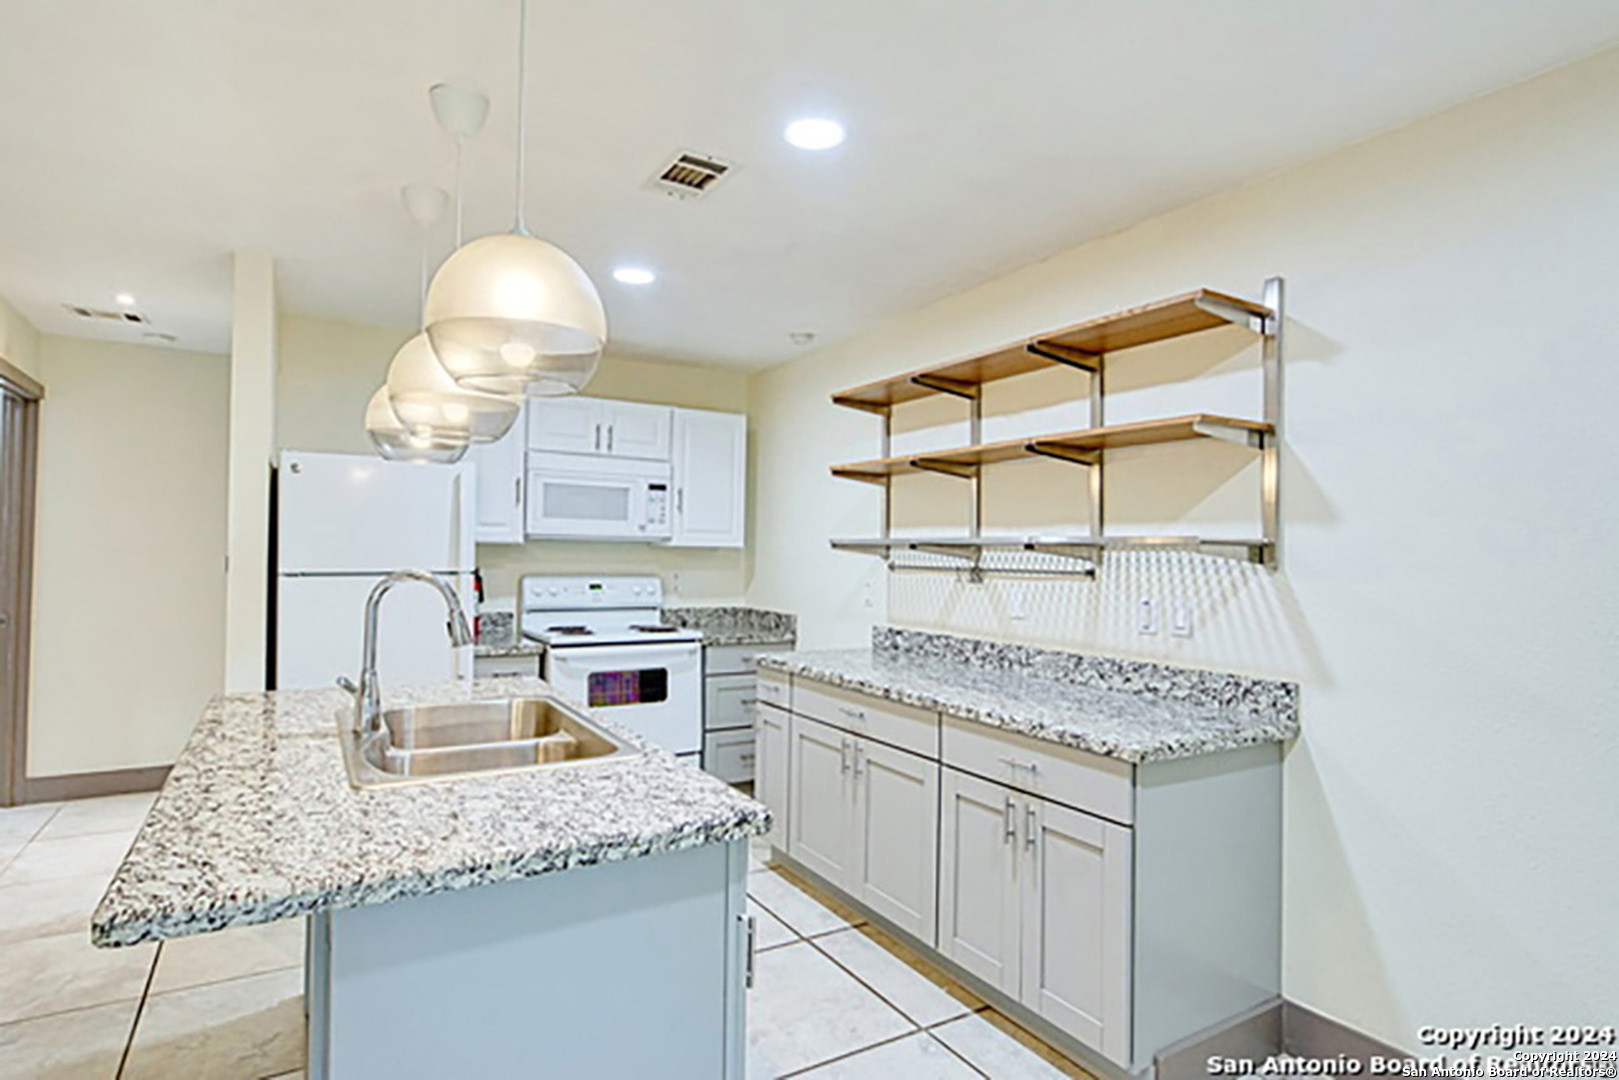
770 755
865 817
1034 898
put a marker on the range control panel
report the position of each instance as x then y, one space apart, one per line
547 593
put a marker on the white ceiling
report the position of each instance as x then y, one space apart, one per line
141 141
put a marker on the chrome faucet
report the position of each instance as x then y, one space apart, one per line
367 696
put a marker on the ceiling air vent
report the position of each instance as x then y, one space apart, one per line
690 175
102 314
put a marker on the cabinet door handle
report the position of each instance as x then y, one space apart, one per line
1011 821
859 755
1029 826
844 753
680 500
598 443
517 492
753 936
610 438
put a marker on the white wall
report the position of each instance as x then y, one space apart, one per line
1448 506
329 369
129 585
19 341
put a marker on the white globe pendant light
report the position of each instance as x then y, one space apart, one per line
426 399
512 314
395 443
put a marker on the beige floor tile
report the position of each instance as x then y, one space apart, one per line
46 908
771 931
232 1030
76 856
86 1044
792 905
998 1047
229 954
804 1010
754 865
19 824
55 974
87 817
920 1057
9 849
917 989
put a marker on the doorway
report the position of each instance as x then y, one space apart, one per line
19 449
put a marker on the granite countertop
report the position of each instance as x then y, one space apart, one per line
732 625
497 637
258 821
1135 711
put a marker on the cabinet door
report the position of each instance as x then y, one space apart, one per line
636 431
818 813
1076 924
711 478
500 486
771 741
728 701
979 907
896 836
569 425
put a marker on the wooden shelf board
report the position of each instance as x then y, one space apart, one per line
1158 321
1068 444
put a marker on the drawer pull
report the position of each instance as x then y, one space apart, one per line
1017 763
750 701
852 713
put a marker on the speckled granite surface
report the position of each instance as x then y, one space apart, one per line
735 625
258 822
1135 711
497 637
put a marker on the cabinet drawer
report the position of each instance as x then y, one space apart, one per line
774 688
916 730
490 667
728 702
736 659
1100 785
729 755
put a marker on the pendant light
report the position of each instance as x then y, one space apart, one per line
511 313
394 443
423 395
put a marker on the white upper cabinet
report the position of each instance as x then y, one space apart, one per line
710 478
500 487
582 425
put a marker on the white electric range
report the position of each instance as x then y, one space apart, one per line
606 647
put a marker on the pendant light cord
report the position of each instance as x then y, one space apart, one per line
522 84
458 142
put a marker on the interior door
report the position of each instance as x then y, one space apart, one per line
770 764
1076 924
979 908
571 425
634 430
818 818
710 477
499 479
19 434
896 832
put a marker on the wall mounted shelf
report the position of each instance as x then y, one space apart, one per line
1081 345
1084 346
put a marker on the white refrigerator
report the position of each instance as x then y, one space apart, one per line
343 522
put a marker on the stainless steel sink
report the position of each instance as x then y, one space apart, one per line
418 743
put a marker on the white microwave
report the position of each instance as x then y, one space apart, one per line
579 497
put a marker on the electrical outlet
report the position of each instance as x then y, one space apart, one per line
674 582
1180 617
1146 615
868 594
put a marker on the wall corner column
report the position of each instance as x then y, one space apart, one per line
251 451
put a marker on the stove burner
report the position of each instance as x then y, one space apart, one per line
581 631
645 629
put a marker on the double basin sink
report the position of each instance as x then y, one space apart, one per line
421 743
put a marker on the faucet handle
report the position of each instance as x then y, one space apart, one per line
348 684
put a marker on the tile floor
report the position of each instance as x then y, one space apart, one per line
833 997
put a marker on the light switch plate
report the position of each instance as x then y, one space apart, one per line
1180 618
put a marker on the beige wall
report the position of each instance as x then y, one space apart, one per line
129 587
1448 509
329 369
19 341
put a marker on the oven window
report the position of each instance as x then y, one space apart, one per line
585 502
647 686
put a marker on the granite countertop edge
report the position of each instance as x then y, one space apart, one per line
826 668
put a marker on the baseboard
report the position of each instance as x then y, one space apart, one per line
37 789
1276 1027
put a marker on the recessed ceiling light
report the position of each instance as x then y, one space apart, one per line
125 300
634 275
814 133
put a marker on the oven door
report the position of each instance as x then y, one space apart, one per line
574 497
654 690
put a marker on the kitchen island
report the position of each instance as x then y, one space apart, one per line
590 916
